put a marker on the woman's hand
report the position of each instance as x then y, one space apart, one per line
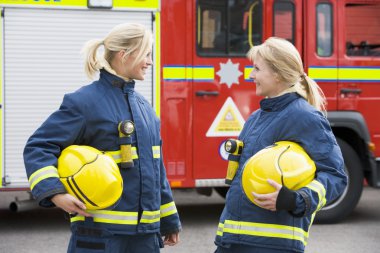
268 201
171 239
69 204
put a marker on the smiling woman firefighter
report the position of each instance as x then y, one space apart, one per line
290 164
98 157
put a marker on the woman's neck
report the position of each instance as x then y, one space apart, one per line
111 70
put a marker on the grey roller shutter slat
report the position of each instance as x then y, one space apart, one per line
42 62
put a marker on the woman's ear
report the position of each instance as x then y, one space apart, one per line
121 56
121 53
277 77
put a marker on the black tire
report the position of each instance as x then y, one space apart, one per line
222 191
345 204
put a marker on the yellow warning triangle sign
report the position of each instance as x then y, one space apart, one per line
228 122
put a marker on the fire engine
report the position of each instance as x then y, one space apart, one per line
199 85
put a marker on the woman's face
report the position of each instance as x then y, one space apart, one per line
138 71
267 83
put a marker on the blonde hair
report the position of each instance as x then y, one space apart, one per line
129 37
283 58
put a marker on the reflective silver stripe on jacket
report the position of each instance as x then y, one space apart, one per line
116 155
41 174
112 217
317 187
220 229
264 230
156 151
150 216
168 209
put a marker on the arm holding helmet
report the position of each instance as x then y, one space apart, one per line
69 204
314 134
328 184
62 128
281 199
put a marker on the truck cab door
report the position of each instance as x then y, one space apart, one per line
321 47
223 95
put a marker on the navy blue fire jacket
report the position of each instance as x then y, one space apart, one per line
285 118
90 116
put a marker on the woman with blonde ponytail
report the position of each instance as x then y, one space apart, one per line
292 109
109 115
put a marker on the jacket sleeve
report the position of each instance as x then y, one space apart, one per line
170 222
314 134
61 129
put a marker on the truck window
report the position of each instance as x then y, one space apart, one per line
228 27
324 30
362 30
283 20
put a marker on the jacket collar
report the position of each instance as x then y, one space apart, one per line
118 82
278 103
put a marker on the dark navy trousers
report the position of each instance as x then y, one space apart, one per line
97 240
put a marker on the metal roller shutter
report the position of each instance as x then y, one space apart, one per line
42 62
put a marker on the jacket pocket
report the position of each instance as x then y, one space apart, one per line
87 240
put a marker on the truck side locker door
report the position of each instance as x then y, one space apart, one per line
359 62
176 95
35 78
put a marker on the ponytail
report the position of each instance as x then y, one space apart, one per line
128 37
92 62
314 93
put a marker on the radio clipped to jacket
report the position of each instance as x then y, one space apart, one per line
234 148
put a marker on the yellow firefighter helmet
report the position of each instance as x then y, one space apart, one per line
285 162
91 176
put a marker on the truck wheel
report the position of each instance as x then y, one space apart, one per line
345 204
